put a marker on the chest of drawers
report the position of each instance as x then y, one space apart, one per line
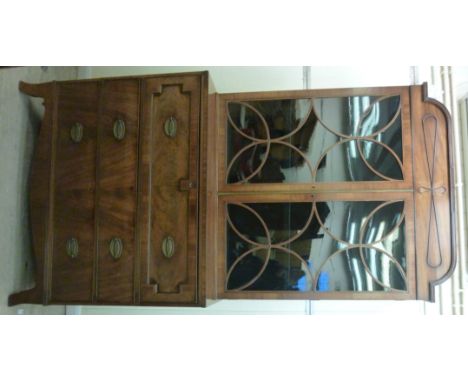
115 195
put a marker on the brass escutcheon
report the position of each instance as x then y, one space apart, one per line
168 247
72 247
119 129
116 248
76 132
170 127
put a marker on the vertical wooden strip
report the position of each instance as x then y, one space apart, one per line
209 216
138 224
50 222
95 292
74 198
117 175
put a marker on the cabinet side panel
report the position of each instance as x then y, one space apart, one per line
432 192
72 275
117 190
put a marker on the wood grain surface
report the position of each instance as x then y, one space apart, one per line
172 212
117 190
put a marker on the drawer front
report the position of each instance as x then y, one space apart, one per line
74 190
169 165
117 194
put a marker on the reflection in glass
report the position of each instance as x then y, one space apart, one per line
314 140
321 246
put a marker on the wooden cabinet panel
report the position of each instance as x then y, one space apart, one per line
433 192
74 191
169 189
116 190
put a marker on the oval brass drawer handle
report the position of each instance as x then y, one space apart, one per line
116 248
168 247
170 127
72 247
76 132
119 129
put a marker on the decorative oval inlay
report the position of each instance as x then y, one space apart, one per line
168 246
72 247
116 248
76 132
434 190
170 127
119 129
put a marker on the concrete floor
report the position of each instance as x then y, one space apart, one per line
20 118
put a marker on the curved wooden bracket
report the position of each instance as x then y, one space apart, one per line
433 192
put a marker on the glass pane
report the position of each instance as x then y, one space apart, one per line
322 246
314 140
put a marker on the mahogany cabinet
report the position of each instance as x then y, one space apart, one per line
117 192
155 190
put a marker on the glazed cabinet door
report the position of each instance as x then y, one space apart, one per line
317 246
316 195
74 193
349 139
168 184
116 206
